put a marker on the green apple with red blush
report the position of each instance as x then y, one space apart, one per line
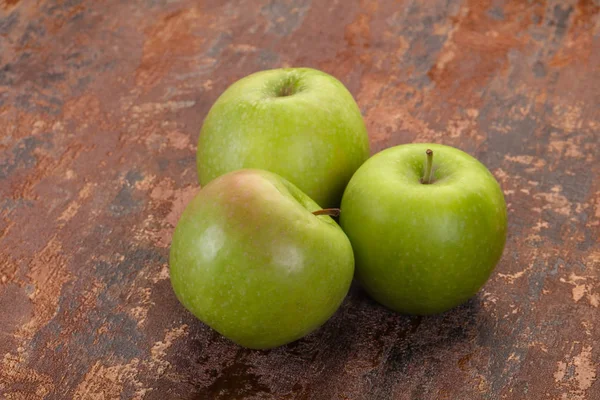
427 224
258 260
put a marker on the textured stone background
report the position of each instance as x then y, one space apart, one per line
100 109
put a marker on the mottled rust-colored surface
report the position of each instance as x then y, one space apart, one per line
100 108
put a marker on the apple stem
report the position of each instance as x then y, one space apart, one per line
428 167
332 212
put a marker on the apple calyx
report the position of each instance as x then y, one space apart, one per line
426 180
286 90
332 212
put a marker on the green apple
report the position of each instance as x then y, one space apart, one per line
251 259
300 123
427 229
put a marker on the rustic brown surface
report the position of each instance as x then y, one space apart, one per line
100 109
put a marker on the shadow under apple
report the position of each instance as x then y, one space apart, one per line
364 347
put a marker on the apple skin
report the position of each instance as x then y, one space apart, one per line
300 123
424 248
250 260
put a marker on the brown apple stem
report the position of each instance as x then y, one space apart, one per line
332 212
428 168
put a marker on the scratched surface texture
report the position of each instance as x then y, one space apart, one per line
100 108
